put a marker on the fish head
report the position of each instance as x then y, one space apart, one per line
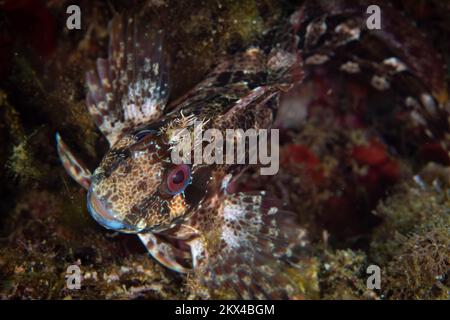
137 187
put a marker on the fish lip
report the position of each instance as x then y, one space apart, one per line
98 210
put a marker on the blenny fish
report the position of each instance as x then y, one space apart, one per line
238 243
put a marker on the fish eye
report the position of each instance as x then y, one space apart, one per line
178 178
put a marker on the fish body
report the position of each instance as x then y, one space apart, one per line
237 243
182 212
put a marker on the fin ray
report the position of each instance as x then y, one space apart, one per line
251 248
130 87
74 167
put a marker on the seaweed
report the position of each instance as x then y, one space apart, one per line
343 276
413 244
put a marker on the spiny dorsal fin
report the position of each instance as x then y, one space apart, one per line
130 87
164 252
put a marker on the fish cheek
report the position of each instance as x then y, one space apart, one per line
151 213
135 218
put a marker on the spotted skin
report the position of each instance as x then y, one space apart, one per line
128 190
235 244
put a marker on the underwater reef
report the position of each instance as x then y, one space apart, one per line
362 202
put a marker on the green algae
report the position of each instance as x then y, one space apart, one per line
413 244
343 276
20 160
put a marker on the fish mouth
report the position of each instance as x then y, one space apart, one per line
181 251
99 210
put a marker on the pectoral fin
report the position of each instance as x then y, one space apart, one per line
252 249
166 252
130 87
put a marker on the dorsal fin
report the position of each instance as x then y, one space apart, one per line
130 87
